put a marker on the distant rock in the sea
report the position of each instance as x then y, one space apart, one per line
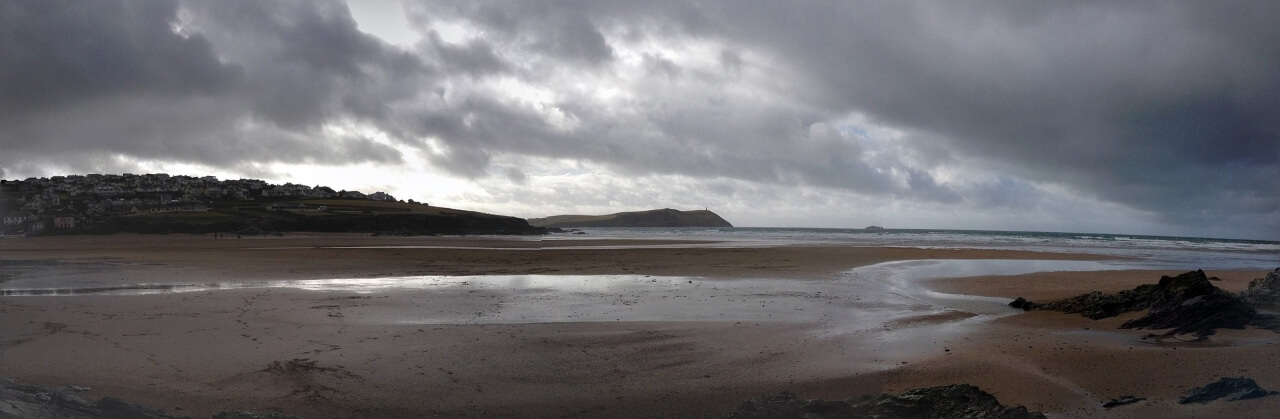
874 228
654 218
1231 388
953 401
1187 303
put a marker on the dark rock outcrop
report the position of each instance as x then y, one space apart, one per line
953 401
1264 292
32 402
19 401
251 415
1121 401
1231 388
1187 303
1096 305
1199 315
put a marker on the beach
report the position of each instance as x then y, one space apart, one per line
359 326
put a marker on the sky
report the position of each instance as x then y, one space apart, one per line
1145 117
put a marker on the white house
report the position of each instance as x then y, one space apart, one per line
18 217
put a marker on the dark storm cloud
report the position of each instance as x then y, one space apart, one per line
560 30
1164 107
1167 107
1155 105
58 53
681 122
307 62
235 83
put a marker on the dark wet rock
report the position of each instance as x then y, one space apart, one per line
1022 303
1122 400
251 415
1232 388
953 401
1096 305
1200 315
1269 321
1187 303
32 402
19 401
1264 292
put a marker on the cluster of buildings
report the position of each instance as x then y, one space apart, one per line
69 202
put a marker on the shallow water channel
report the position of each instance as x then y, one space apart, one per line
863 298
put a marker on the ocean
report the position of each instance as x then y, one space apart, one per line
1157 252
1131 252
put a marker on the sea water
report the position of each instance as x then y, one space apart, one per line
1138 252
1159 251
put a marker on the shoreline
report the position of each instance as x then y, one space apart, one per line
212 351
162 258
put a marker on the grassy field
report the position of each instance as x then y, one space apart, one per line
387 206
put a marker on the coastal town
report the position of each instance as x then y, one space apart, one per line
68 203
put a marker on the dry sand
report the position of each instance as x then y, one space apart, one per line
361 355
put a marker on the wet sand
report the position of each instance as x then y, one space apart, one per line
462 349
189 258
1069 364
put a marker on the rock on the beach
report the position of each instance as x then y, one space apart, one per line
1263 291
1187 303
1096 305
251 415
1022 303
1121 401
1232 388
1200 314
32 402
953 401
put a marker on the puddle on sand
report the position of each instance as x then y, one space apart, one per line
883 308
862 299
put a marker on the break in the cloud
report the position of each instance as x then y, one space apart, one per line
1137 117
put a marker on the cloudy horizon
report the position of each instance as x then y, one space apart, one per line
1132 118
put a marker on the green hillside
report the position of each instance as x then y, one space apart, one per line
653 218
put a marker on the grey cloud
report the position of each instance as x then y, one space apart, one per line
476 58
731 61
466 161
561 30
685 127
576 37
1154 106
307 62
515 175
59 53
237 82
1164 107
700 138
660 64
